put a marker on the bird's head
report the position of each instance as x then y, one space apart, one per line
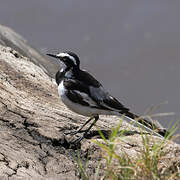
69 59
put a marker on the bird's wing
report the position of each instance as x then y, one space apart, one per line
106 100
96 91
86 78
75 85
76 97
79 92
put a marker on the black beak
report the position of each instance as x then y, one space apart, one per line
55 56
52 55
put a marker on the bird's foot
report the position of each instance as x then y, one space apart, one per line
78 140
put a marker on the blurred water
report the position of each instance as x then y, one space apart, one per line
132 47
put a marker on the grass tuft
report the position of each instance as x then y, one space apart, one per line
147 164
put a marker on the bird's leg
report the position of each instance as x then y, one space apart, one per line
96 117
79 130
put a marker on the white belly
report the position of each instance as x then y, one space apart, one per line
78 108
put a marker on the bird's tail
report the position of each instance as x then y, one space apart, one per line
150 126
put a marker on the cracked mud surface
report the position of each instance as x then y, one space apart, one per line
32 122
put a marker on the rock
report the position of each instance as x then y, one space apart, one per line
33 121
11 39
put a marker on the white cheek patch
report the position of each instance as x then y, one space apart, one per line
67 55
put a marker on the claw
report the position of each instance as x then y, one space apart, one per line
78 140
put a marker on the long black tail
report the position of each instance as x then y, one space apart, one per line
154 127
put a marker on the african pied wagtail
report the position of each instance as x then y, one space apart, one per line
83 94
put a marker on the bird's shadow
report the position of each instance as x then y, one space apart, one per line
73 144
107 133
68 145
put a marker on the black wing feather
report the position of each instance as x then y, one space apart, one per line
76 98
115 104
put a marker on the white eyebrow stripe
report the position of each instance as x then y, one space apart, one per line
67 55
62 54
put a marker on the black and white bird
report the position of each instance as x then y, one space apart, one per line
83 94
